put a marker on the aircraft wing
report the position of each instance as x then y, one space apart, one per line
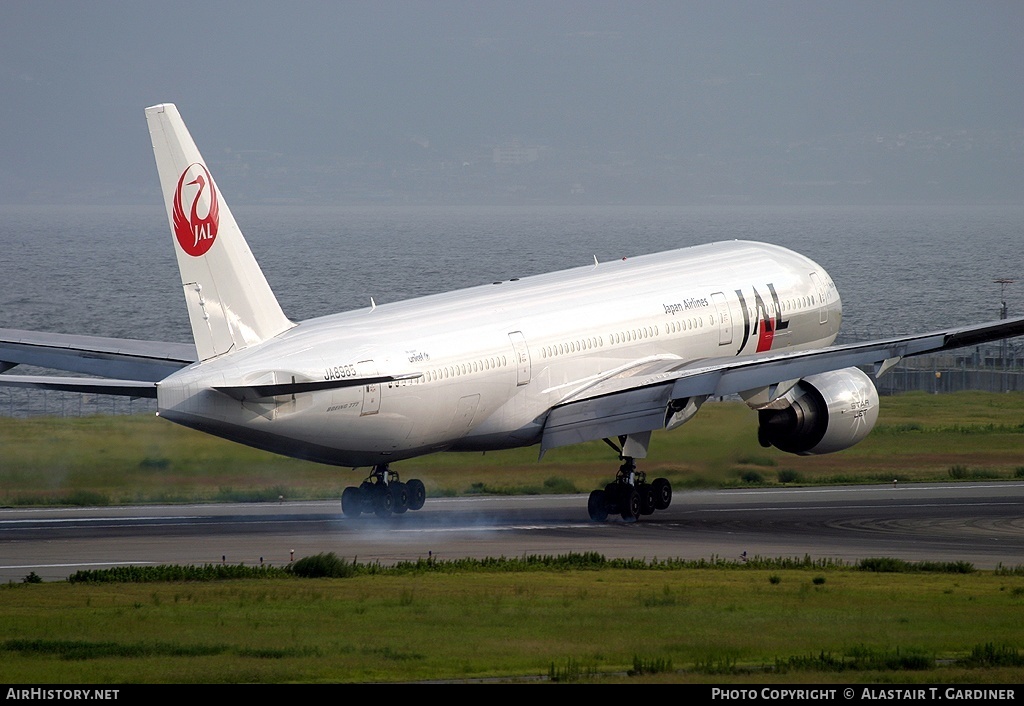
119 358
638 401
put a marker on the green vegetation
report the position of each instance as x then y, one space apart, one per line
891 565
119 460
329 565
572 618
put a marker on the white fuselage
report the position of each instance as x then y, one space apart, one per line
494 359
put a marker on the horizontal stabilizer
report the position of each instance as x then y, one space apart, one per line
96 386
258 392
121 358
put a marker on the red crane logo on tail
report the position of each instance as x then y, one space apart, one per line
195 233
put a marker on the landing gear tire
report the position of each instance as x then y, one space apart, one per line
385 502
352 502
631 506
400 493
647 500
597 506
417 494
662 493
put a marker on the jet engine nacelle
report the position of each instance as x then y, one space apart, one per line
821 414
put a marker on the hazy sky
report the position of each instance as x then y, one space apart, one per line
370 80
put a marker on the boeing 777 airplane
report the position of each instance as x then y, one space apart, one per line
612 351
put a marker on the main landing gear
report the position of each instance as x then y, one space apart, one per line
383 493
629 495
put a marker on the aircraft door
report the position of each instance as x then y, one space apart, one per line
822 296
522 357
723 317
371 393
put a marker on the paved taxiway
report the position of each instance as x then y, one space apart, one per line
978 522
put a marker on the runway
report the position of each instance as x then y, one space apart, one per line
982 523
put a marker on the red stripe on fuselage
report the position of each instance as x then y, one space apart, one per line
766 335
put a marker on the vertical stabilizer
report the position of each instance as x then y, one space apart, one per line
230 304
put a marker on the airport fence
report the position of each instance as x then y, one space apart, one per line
991 367
935 376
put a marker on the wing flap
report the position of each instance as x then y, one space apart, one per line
627 412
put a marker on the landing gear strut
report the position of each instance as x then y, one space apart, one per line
383 493
629 495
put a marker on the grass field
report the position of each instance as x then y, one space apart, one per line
713 624
114 460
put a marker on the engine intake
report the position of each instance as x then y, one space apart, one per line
821 414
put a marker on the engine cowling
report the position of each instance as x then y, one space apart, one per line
821 414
